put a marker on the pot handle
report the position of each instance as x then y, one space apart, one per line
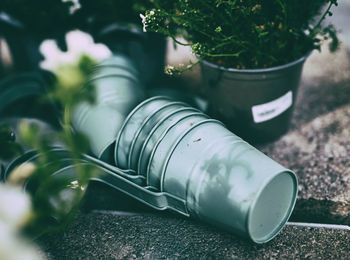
125 181
129 183
156 200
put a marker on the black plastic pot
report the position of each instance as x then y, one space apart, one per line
256 104
22 95
146 50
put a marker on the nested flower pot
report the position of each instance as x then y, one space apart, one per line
256 104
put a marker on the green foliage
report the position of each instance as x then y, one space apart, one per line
71 86
245 34
56 201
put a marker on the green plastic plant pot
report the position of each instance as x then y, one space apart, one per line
119 61
145 129
238 188
100 124
155 134
131 125
256 104
116 83
117 92
188 149
164 144
228 183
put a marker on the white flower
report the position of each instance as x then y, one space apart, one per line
14 247
75 5
15 206
78 43
143 17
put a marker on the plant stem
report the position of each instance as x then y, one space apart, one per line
224 54
322 18
178 42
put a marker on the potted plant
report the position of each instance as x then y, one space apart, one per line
251 54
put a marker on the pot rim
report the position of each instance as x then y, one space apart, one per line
142 128
161 139
278 227
126 121
262 70
154 129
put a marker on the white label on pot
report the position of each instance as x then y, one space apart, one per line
267 111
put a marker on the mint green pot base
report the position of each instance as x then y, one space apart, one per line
256 195
272 208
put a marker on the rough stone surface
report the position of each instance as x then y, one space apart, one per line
325 85
340 19
319 154
108 236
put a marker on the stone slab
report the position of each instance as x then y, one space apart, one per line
319 154
109 236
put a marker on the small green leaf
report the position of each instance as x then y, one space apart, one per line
29 132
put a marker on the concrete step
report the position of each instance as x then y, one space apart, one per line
110 236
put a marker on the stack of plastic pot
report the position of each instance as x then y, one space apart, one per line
182 159
118 91
223 179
